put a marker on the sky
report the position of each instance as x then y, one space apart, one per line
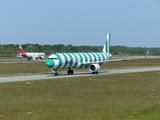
132 23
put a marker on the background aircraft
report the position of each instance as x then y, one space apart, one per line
92 60
32 55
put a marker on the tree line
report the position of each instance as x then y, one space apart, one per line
9 50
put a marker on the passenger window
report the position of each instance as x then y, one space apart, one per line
52 58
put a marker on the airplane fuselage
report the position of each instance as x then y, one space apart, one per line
33 55
59 61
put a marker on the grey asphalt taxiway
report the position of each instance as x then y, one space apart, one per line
78 74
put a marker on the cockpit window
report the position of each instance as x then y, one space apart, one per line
52 58
55 58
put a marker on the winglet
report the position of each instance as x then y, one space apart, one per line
147 53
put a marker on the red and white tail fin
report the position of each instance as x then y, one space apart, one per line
21 50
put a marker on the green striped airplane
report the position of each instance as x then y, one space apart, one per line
91 60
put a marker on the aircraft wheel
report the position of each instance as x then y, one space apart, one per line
72 72
56 74
95 72
69 72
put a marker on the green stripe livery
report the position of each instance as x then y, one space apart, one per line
93 60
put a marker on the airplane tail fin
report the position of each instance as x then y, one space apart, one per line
106 45
21 49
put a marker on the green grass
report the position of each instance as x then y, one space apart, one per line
109 97
132 96
10 69
12 58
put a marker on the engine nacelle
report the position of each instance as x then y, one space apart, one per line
110 55
94 67
42 57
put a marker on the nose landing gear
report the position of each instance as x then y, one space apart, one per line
56 73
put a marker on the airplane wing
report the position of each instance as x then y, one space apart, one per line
129 58
123 59
112 60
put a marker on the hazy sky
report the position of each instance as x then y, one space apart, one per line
133 23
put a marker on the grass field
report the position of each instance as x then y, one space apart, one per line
133 96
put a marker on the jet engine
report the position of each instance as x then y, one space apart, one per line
42 57
94 68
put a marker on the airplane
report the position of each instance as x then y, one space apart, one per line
90 60
32 55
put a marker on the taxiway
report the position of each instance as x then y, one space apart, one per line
78 74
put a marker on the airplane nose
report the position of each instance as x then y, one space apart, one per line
50 63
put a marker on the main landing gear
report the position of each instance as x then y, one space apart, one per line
95 72
70 72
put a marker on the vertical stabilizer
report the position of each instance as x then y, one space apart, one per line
106 44
21 49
